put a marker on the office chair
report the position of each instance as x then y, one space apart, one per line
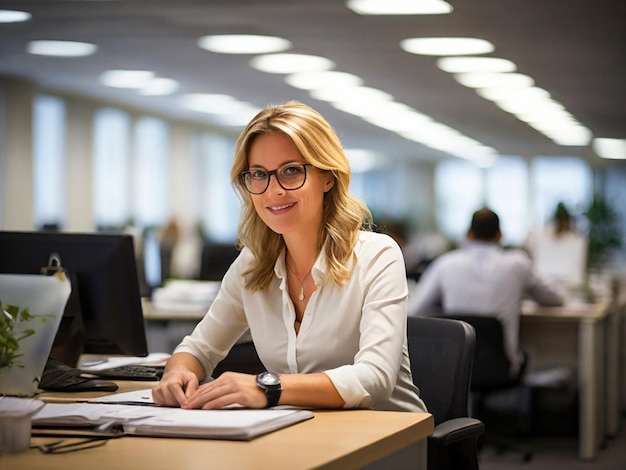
241 358
491 376
216 259
441 352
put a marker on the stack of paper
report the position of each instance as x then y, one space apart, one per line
147 419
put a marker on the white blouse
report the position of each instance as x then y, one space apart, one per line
355 333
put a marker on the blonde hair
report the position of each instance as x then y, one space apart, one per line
343 214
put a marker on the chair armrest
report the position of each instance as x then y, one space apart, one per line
456 429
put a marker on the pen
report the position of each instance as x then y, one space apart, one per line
128 402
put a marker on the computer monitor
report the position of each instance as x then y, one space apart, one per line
104 308
561 259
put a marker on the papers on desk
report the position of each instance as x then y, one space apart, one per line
102 363
136 397
134 413
185 294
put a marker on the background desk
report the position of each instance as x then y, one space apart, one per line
331 440
584 337
166 327
167 324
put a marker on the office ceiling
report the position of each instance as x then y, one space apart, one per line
575 49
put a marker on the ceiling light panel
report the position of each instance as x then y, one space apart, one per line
224 109
475 64
322 80
159 86
494 80
134 79
399 7
61 48
352 94
446 46
243 44
512 94
291 63
14 16
610 148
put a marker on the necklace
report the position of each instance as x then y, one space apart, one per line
301 296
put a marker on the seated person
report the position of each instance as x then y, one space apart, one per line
324 299
483 278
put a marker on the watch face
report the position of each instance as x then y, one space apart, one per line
269 378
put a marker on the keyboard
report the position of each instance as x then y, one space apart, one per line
141 372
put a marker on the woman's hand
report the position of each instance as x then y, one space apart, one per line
228 389
175 387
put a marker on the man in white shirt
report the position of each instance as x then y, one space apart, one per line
483 278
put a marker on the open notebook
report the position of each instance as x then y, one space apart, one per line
134 413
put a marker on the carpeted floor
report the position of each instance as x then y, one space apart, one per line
559 453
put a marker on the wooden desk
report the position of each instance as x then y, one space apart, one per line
331 440
173 311
585 338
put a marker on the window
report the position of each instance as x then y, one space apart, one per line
111 168
458 192
385 191
150 167
369 187
506 187
507 195
50 209
559 179
218 205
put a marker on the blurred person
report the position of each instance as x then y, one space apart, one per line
483 278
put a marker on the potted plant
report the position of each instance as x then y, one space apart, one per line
604 234
13 329
31 307
603 237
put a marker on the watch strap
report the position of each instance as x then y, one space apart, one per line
273 395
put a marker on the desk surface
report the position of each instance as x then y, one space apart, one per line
332 439
173 311
571 310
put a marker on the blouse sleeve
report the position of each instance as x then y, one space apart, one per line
381 275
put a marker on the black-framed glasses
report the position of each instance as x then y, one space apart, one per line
290 176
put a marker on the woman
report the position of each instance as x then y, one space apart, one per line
324 300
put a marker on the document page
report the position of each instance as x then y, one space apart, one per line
232 424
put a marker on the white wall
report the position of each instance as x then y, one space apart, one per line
16 153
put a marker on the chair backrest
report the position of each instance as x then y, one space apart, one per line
492 367
441 352
216 259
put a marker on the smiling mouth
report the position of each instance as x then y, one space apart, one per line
278 208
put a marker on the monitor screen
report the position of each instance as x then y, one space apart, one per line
103 314
561 259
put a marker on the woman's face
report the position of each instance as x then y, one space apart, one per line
287 211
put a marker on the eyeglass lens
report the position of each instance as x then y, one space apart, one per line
290 177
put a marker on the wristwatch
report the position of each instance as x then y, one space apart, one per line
269 382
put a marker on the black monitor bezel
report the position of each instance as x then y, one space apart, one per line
103 271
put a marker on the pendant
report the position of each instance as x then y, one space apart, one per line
301 296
